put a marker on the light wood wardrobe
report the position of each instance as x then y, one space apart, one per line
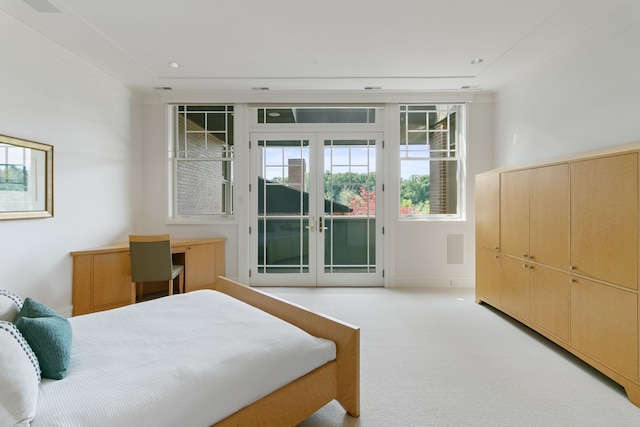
557 249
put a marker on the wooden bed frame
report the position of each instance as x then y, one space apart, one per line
293 403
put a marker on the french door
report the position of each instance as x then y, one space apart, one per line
316 209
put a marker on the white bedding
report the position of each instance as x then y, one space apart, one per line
187 360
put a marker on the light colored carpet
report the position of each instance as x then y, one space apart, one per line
433 357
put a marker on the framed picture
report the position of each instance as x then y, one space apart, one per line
26 179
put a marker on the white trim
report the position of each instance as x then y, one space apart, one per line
391 188
446 282
315 97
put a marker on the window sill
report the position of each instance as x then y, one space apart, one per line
202 219
432 218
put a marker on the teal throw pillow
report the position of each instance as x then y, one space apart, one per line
32 308
49 336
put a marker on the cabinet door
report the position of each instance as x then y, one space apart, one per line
487 275
604 325
514 286
203 264
549 215
488 211
111 281
514 213
604 219
549 292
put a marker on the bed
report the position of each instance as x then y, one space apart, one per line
230 357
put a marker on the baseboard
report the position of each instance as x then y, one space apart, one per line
418 282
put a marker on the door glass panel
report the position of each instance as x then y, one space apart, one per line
350 206
283 206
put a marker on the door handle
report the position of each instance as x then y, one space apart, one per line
312 221
320 226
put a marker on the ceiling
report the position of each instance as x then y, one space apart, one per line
399 45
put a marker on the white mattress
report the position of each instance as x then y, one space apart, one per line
186 360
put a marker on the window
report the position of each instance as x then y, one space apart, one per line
430 161
201 161
307 115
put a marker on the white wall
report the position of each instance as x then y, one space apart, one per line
49 96
584 98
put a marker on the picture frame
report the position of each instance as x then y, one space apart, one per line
26 179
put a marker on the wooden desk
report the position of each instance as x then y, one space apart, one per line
102 276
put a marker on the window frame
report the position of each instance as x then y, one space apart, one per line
173 159
459 158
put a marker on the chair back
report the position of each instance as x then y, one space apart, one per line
150 258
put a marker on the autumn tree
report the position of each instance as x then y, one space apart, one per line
339 187
363 203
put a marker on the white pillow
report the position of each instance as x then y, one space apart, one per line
10 305
19 378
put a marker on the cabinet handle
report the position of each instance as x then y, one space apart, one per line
572 280
571 267
496 248
525 266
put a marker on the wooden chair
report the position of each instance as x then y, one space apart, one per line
151 262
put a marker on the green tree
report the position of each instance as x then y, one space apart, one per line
416 188
339 186
414 194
